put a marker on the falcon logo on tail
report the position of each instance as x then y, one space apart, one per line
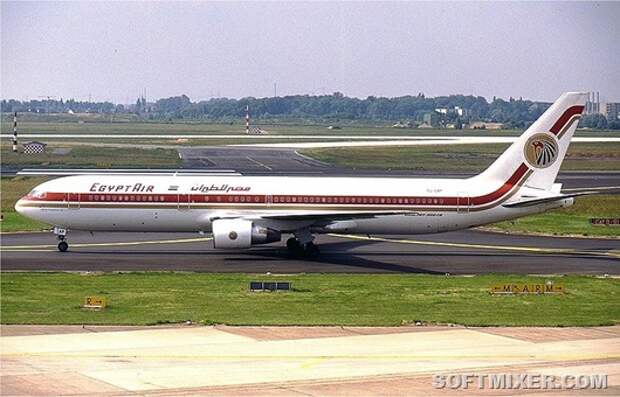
541 150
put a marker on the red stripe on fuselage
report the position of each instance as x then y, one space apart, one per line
568 113
278 199
505 188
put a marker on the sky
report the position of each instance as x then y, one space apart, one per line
115 50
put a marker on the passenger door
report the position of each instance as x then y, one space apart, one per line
73 200
463 202
183 201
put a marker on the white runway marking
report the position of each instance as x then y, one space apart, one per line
410 141
365 140
259 163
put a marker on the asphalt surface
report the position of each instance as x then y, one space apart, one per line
463 252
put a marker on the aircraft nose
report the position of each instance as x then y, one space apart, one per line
19 206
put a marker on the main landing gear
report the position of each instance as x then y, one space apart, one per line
309 249
301 244
61 234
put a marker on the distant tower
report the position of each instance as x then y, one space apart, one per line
247 119
593 105
15 133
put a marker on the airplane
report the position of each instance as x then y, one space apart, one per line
243 211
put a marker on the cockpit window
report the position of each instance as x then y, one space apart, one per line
36 193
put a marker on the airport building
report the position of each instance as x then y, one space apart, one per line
612 111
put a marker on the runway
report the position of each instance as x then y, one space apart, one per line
336 140
463 252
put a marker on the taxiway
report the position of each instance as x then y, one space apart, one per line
462 252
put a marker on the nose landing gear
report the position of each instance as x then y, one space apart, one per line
61 234
63 246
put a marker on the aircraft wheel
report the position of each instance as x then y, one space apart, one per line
63 246
293 244
311 250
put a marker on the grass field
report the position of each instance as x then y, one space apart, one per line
464 158
573 220
94 157
317 299
11 190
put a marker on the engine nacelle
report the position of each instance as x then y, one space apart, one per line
241 233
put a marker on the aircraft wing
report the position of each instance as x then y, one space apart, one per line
333 216
543 200
318 216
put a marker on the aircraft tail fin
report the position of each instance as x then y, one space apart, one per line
542 147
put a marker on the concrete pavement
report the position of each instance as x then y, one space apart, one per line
294 360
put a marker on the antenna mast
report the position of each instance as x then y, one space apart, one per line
15 132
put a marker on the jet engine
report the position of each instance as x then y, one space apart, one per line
241 233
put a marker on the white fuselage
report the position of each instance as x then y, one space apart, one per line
190 203
242 211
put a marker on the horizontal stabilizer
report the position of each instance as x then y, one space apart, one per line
543 200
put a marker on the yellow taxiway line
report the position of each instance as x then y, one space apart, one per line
126 243
612 253
479 246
